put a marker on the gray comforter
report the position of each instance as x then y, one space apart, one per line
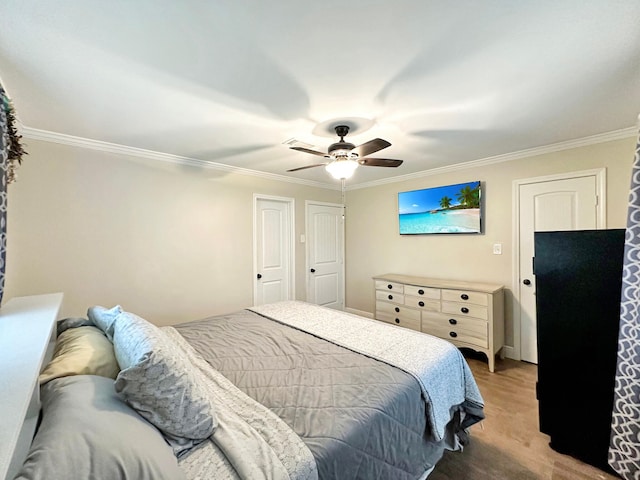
361 418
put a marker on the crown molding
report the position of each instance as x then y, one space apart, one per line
64 139
507 157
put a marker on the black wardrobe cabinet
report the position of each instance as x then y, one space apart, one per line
578 285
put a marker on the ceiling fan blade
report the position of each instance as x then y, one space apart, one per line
379 162
370 147
307 166
312 152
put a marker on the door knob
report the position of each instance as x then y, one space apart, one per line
526 281
259 276
313 270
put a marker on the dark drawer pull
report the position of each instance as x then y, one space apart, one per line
464 296
453 334
389 286
464 310
390 297
421 304
453 321
420 292
397 310
397 320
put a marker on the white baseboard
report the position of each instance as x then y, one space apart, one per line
510 352
362 313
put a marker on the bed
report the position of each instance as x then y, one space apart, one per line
287 390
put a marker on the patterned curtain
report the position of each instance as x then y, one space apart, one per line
4 168
624 449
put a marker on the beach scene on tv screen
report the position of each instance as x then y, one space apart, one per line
447 209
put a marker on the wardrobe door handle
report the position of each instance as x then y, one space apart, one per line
464 310
259 276
313 270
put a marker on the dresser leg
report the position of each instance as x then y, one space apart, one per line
492 361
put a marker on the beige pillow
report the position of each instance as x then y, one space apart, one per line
81 351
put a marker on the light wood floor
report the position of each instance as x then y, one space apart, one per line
508 445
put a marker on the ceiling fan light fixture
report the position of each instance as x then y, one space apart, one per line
345 157
341 152
342 169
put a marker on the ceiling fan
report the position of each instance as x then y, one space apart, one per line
345 157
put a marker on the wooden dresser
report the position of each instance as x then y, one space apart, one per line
468 314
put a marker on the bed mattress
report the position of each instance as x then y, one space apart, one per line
360 417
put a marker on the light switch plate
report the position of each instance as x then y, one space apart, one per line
497 249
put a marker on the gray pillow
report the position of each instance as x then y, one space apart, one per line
87 431
157 380
72 322
104 318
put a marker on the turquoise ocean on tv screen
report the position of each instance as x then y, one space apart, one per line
440 222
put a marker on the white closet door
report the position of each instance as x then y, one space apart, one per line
273 251
325 233
559 205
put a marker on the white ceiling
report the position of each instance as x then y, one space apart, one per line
228 81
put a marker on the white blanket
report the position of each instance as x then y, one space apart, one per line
439 367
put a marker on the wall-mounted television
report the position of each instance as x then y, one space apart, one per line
446 209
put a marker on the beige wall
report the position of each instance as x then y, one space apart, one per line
169 242
174 243
374 246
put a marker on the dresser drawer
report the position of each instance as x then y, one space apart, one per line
397 311
466 309
390 297
389 286
457 335
431 293
476 298
422 303
411 323
466 338
474 326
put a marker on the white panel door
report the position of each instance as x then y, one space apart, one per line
273 251
558 205
325 251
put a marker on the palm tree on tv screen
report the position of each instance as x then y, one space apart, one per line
469 197
445 202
